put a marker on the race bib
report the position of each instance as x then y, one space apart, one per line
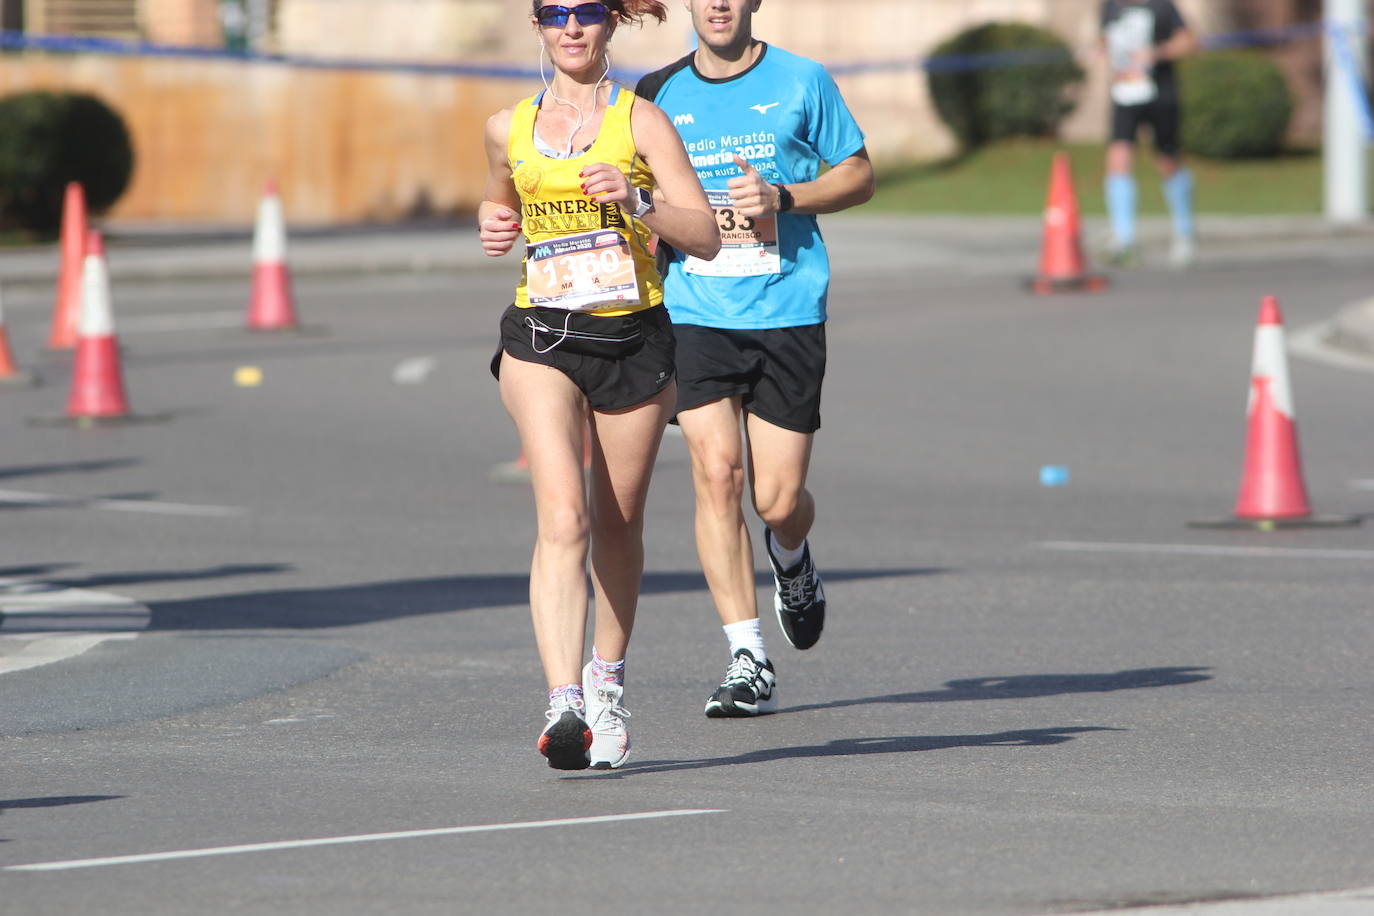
748 244
579 272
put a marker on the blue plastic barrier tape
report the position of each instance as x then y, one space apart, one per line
1344 59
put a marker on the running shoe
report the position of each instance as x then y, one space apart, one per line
746 691
799 597
606 717
566 739
1183 252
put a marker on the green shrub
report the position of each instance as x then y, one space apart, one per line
50 139
1002 80
1235 104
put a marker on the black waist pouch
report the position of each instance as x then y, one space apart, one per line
583 334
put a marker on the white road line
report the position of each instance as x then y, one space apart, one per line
45 648
52 500
413 371
360 838
1310 342
1218 550
1366 484
42 608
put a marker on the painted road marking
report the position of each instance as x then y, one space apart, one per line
1219 550
414 371
52 500
45 649
360 838
1310 342
1366 484
42 607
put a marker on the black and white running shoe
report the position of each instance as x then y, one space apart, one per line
566 740
746 691
799 598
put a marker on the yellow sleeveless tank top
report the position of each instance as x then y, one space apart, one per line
571 257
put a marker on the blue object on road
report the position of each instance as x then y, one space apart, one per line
1054 475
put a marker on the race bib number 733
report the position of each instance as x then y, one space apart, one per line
748 244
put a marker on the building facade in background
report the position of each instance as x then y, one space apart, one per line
351 144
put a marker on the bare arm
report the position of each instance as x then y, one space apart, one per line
849 183
1180 44
498 215
681 215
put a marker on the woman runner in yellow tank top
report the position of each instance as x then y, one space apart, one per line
588 174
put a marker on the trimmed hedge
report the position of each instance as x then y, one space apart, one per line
1003 79
50 139
1235 104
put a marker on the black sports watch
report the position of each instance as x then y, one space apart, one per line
784 198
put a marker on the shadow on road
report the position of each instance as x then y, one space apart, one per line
854 747
348 605
1028 685
71 467
57 801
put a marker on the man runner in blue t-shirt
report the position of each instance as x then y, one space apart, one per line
750 324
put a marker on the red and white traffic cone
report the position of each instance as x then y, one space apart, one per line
1062 265
97 380
270 307
67 307
1271 484
1272 492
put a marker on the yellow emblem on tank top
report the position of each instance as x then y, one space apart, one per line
528 179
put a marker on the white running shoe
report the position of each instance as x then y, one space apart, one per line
606 716
1182 253
566 739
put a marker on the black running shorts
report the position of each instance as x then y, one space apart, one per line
777 373
1162 116
608 383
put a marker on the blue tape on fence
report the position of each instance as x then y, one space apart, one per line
1343 56
945 63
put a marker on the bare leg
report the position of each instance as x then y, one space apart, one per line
727 555
624 445
778 461
550 415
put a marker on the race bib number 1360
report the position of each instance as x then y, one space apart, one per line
584 271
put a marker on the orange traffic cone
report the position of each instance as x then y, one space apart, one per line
270 308
67 307
10 374
97 382
1272 492
1062 266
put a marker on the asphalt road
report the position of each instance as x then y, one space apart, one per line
1028 699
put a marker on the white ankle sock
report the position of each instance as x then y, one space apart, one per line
746 635
786 558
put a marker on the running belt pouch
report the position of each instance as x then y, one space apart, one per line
587 335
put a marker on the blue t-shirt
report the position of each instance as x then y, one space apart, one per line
784 116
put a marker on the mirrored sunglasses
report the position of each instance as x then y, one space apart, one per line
586 13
